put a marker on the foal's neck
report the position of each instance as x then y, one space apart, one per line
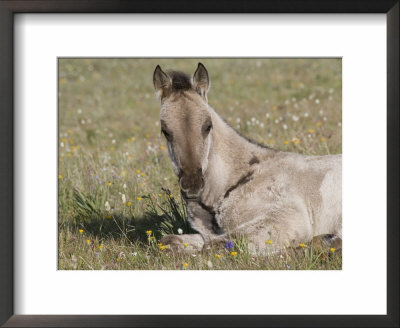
232 156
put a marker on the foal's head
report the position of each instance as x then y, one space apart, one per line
186 124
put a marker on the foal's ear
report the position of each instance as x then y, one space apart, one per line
201 81
162 82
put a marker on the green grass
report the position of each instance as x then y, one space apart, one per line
115 177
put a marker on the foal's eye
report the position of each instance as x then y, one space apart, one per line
167 135
207 128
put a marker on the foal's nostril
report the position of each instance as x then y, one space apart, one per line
184 185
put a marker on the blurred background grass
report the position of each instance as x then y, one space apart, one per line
112 158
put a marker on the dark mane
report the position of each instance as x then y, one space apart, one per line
180 81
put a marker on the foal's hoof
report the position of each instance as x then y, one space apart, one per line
188 244
327 241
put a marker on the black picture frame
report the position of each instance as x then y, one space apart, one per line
7 11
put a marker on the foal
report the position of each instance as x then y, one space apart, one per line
235 187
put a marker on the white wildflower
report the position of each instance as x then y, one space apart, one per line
107 206
317 101
295 118
284 126
124 186
123 198
180 231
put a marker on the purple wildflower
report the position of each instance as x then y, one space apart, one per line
229 245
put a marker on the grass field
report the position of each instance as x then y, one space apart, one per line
117 191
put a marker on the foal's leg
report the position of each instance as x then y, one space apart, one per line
201 219
268 234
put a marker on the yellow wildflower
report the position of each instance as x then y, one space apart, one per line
152 238
100 246
303 245
271 141
88 241
274 107
139 198
185 265
286 142
108 216
148 232
268 241
60 176
69 131
108 183
163 247
171 196
142 174
138 171
147 135
128 203
310 131
217 256
81 231
159 195
319 123
233 253
186 244
333 250
322 139
162 147
159 244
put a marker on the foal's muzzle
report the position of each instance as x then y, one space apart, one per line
191 184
